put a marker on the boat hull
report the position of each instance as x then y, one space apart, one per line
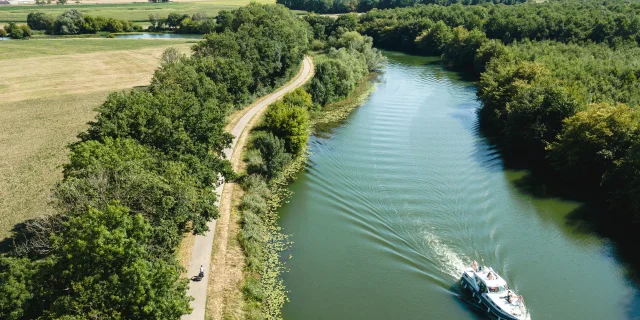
482 302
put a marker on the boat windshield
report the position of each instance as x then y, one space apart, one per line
499 289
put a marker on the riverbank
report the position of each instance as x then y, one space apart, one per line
398 199
261 293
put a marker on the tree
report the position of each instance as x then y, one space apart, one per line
156 22
40 21
103 270
170 56
298 98
290 123
174 19
16 287
69 22
432 41
17 32
593 141
273 156
62 2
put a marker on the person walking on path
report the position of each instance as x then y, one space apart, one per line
201 274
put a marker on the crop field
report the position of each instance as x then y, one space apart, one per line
137 12
48 92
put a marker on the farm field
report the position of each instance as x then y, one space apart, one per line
48 90
137 12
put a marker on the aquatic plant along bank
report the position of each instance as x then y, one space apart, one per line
403 195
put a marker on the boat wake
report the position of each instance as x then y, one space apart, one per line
451 262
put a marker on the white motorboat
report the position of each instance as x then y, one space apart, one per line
491 293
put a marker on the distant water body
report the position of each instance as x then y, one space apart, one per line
402 196
159 36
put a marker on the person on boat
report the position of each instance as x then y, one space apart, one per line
513 299
474 266
491 276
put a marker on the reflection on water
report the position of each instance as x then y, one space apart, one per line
398 199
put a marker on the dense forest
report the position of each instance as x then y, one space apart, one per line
344 6
142 176
558 83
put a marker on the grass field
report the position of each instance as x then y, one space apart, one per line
130 11
48 91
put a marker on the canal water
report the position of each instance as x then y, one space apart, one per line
403 195
158 36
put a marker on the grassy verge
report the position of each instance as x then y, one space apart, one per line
49 92
138 12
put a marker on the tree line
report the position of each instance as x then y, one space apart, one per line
557 83
74 22
344 6
142 175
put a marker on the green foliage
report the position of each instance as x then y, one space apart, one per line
16 285
298 98
462 47
17 32
40 21
69 22
337 76
272 154
74 22
257 34
593 142
290 123
433 40
342 6
142 176
103 270
173 122
3 33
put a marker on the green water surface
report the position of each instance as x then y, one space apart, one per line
402 196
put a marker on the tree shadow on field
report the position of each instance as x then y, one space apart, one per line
31 238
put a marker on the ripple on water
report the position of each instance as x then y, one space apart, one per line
397 201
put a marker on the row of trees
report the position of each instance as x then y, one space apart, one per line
198 23
615 23
566 104
343 6
142 175
74 22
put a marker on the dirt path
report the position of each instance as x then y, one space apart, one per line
203 245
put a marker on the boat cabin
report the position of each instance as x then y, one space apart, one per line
490 282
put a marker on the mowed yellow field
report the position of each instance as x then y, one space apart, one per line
47 98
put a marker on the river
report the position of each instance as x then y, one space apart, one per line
404 194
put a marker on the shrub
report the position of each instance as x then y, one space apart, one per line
272 152
290 123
